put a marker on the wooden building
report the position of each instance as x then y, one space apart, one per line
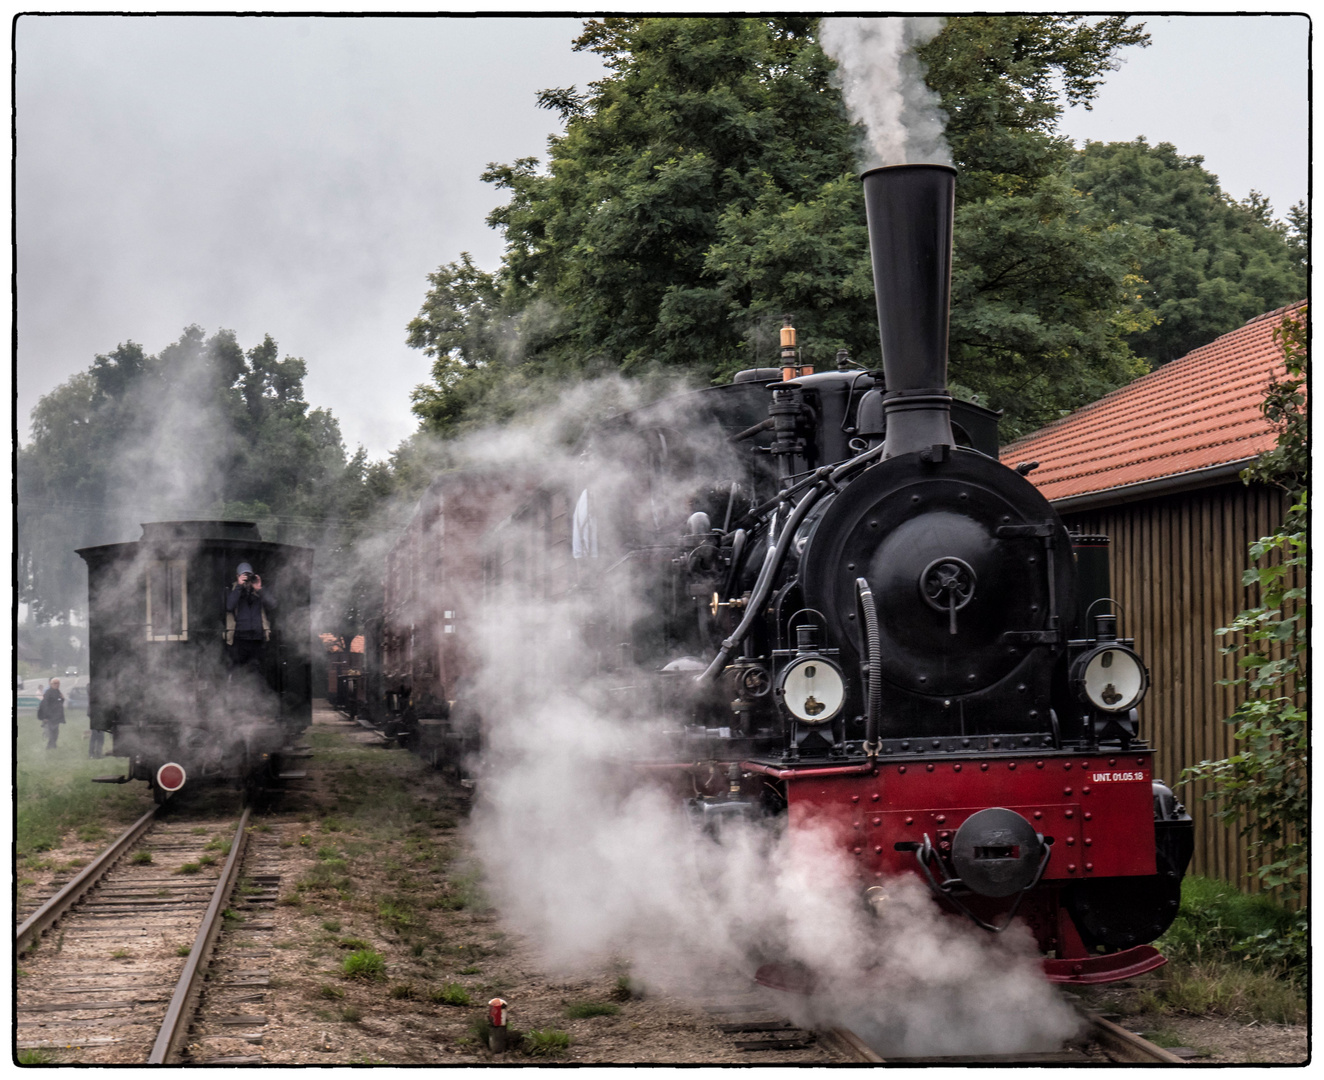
1155 466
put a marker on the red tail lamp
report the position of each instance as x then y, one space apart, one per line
170 777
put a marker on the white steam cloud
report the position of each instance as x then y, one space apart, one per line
592 854
882 82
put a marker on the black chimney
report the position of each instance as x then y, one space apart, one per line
910 208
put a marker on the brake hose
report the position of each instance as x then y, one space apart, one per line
873 665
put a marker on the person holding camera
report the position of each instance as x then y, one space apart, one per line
247 627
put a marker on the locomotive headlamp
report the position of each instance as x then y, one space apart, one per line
813 689
1110 677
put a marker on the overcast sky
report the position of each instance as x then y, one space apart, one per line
301 176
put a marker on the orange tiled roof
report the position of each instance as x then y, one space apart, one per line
357 644
1193 414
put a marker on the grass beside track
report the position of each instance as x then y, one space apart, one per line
54 793
1230 954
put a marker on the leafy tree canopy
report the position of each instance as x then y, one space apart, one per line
203 428
706 186
1209 263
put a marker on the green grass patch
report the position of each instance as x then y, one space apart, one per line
450 994
364 964
584 1009
1231 954
120 954
54 793
472 969
353 943
328 876
546 1042
190 868
351 1014
627 989
333 925
218 844
327 852
1218 921
141 858
396 914
405 991
331 993
36 1057
183 950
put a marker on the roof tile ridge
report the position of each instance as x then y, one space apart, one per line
1277 311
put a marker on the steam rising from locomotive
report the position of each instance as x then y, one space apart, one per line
882 83
763 665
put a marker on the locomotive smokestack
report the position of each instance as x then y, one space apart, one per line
910 208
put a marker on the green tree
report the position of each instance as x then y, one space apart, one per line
1209 263
707 185
202 428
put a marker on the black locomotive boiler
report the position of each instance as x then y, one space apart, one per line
164 676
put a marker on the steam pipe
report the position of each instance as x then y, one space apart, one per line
823 480
763 586
910 210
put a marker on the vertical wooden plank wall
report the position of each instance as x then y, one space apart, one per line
1176 567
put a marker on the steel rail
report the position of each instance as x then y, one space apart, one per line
1118 1043
853 1047
174 1028
1127 1046
49 913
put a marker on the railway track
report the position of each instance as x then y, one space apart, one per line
112 964
752 1022
1102 1042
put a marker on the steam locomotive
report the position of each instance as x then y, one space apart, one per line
163 680
856 618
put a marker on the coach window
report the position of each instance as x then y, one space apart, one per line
167 600
584 529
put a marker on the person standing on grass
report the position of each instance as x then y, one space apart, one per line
51 713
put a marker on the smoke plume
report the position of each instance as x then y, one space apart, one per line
882 82
591 853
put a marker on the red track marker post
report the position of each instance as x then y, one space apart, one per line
496 1019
